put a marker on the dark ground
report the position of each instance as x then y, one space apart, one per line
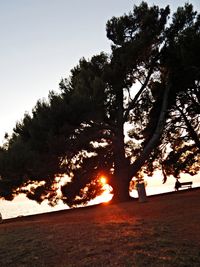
165 231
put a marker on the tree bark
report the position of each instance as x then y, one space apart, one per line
120 181
121 178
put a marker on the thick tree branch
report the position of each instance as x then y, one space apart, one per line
139 162
190 128
132 104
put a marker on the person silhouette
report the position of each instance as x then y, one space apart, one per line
177 185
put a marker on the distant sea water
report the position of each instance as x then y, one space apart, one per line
21 206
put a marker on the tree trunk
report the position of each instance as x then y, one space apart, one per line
121 178
120 185
124 172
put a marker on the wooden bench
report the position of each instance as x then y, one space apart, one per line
185 184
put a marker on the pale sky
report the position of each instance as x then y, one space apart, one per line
41 40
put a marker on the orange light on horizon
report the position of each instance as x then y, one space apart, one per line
106 196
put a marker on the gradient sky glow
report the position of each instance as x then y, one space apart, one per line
41 40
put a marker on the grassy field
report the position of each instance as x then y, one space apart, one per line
165 231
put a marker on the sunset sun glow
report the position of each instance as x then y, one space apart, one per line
103 180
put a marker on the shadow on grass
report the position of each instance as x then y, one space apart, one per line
96 244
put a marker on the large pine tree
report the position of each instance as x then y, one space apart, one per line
144 83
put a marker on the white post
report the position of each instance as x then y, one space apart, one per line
141 192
